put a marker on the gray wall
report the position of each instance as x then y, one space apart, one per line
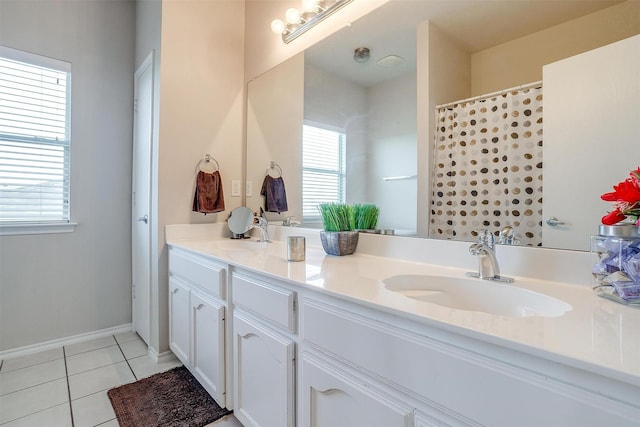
59 285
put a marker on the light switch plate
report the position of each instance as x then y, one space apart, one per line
249 189
235 188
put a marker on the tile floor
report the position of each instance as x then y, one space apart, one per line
67 386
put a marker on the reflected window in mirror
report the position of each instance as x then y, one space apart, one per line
323 168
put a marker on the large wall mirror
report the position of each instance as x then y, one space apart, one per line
381 100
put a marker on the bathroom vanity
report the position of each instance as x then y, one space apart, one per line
336 341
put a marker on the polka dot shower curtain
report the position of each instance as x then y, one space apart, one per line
487 171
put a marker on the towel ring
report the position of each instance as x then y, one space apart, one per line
275 167
208 159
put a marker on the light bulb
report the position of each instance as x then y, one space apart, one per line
309 5
292 15
277 26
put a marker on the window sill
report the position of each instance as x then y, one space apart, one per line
37 228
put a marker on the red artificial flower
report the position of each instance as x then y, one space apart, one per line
626 199
627 191
613 217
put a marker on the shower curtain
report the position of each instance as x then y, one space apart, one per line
487 170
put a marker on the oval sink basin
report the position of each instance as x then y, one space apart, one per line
476 295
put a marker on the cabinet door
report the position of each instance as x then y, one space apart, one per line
263 375
207 351
179 328
332 398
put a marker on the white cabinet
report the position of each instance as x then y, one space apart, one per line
197 319
263 371
333 397
179 324
457 381
264 353
334 362
207 357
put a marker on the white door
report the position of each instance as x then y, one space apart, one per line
591 110
141 198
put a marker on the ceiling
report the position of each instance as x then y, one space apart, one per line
474 24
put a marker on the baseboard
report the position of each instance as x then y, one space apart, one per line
48 345
160 357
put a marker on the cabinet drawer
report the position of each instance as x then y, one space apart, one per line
207 275
273 303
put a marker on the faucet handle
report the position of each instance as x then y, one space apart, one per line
486 238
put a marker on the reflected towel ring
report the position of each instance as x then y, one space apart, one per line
208 159
275 167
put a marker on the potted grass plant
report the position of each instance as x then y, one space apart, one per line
339 236
366 217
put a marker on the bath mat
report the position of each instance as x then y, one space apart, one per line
169 399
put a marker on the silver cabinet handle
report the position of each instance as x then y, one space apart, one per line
145 219
554 222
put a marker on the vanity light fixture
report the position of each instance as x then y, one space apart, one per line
313 12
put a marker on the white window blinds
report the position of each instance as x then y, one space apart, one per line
323 169
34 138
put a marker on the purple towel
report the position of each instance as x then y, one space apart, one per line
275 196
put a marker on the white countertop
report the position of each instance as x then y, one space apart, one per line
597 335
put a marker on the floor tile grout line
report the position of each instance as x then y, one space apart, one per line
31 366
33 413
126 360
93 349
66 370
32 386
103 423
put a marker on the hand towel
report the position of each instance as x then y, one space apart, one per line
208 197
275 196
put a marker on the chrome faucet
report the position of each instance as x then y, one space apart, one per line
289 222
488 268
262 226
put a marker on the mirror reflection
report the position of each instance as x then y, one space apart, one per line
382 104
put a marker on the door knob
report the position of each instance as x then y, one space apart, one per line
144 219
554 222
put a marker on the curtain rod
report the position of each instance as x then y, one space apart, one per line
489 95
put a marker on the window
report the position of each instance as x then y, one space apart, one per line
323 168
34 139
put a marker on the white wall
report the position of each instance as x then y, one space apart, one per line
201 100
58 285
274 131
